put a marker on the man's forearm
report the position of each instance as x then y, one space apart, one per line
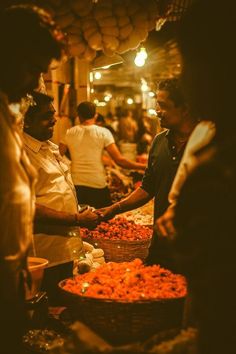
130 164
51 216
136 199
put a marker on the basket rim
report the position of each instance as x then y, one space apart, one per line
118 241
114 301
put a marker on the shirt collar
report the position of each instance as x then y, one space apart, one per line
168 132
36 145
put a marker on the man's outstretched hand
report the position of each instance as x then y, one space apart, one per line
107 213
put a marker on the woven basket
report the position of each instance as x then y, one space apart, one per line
125 322
121 250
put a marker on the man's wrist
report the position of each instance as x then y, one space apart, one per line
76 220
118 208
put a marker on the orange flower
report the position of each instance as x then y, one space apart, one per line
130 281
118 229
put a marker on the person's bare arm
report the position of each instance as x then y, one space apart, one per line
47 215
108 161
121 161
52 216
136 199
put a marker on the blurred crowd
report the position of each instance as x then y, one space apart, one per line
132 127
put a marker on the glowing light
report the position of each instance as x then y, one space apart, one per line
143 53
107 98
106 67
130 100
95 101
91 77
97 75
92 90
152 112
139 61
144 85
141 57
101 104
151 94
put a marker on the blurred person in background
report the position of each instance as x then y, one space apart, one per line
86 143
106 159
57 216
101 121
112 121
144 135
128 127
29 41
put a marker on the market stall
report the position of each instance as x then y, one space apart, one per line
119 298
112 291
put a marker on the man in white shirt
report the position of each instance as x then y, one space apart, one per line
57 217
86 143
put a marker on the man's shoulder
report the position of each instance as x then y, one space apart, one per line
102 131
74 129
160 137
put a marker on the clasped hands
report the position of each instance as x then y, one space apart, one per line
90 217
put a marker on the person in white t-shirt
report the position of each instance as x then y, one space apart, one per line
86 143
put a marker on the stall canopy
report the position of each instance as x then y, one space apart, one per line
110 26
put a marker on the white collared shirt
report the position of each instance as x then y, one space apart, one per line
55 190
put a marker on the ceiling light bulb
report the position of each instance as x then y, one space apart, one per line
143 53
139 60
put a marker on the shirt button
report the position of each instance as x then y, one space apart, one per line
173 158
173 147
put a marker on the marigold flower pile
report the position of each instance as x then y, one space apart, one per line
129 281
118 229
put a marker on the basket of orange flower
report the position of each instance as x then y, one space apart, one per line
121 239
126 302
